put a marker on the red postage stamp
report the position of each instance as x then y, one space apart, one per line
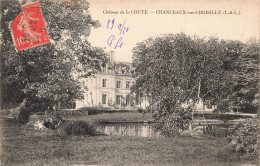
29 28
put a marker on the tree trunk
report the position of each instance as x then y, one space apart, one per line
192 114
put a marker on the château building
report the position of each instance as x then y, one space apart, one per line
110 87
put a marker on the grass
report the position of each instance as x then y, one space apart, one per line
24 146
113 117
78 128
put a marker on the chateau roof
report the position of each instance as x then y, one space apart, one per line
124 64
125 68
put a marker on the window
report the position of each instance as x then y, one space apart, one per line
128 71
127 84
118 99
104 99
118 84
104 83
104 68
127 100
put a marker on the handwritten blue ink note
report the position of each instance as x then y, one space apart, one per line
116 40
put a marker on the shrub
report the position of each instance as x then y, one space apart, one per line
171 124
20 113
48 121
23 116
243 138
79 128
53 122
140 110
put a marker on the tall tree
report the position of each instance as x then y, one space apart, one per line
178 69
48 74
245 94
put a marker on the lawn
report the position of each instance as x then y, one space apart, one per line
25 146
113 117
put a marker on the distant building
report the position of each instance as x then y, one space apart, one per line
110 87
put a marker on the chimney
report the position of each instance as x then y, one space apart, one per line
111 58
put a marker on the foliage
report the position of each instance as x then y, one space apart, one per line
244 138
79 128
21 113
53 122
245 96
49 121
222 106
187 65
176 69
173 123
49 74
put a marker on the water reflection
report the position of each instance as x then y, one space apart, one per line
148 130
221 130
141 130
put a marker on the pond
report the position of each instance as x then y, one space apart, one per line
129 129
148 130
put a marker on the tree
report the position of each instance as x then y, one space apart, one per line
175 70
227 78
245 94
49 74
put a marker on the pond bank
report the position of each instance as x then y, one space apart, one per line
118 117
136 117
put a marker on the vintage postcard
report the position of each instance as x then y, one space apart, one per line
128 82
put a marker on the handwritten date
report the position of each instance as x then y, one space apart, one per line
116 41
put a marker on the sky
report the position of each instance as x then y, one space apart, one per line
129 29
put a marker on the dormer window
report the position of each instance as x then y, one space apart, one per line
104 68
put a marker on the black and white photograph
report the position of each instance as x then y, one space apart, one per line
129 83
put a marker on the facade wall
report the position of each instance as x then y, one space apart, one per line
109 91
